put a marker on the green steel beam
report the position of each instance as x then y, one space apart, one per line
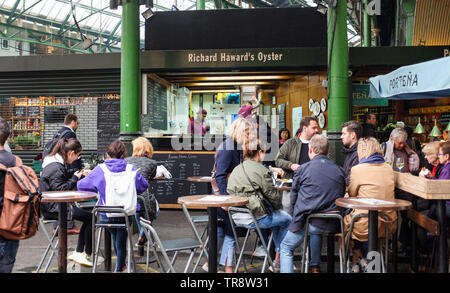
13 10
200 4
23 11
258 3
410 7
367 42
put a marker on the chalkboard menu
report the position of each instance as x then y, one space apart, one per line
282 116
156 107
108 122
20 111
181 166
34 111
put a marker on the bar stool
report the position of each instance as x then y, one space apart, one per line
330 215
96 246
234 210
51 246
386 244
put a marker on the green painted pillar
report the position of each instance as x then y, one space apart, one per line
338 86
410 7
130 73
338 82
201 4
367 26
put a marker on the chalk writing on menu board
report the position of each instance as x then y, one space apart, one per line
108 122
156 106
181 166
34 111
20 111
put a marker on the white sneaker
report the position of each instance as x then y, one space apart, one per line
74 255
259 251
83 259
100 259
355 268
205 267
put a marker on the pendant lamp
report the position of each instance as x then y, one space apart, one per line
447 129
419 128
435 132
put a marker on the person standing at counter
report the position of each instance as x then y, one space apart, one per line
198 125
284 136
228 156
370 122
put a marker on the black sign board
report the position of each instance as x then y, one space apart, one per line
156 107
181 166
108 122
34 111
55 114
236 28
20 111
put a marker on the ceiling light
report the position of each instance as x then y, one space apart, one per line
147 13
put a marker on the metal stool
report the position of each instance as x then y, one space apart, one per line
50 246
195 220
233 210
329 215
126 225
347 249
173 245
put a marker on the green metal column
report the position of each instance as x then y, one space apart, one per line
130 73
338 86
201 4
367 27
410 8
338 83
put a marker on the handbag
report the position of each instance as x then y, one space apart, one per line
267 205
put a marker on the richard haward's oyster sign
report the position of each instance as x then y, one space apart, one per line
244 57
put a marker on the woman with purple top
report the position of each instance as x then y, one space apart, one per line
444 159
96 182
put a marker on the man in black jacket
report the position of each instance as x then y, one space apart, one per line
351 132
370 122
68 132
316 186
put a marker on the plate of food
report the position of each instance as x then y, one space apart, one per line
283 182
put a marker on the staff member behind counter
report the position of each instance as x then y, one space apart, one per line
198 125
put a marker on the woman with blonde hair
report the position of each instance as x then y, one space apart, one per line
141 159
371 178
228 156
433 165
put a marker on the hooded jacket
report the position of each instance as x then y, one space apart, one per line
55 177
95 181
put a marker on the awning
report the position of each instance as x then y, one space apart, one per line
424 80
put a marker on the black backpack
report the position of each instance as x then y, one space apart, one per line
48 148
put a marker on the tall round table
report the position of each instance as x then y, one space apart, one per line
62 198
212 205
384 205
202 179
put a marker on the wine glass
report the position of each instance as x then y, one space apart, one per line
400 163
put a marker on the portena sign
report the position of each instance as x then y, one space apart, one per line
246 57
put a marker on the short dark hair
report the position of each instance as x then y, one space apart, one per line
367 116
5 131
285 129
306 120
69 118
355 127
445 146
117 150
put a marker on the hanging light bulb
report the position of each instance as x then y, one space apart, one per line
419 128
435 132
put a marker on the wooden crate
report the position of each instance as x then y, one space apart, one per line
424 188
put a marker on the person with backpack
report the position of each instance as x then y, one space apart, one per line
56 177
116 179
8 248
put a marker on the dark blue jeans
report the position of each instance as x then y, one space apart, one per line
8 251
119 237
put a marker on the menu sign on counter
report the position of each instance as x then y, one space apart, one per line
156 106
108 122
181 165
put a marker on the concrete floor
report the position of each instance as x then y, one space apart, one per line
169 225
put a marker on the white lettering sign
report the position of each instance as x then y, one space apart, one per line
261 57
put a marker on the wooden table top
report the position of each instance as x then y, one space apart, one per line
67 196
194 200
205 179
425 188
358 203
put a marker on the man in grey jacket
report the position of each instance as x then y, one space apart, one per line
294 152
317 184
